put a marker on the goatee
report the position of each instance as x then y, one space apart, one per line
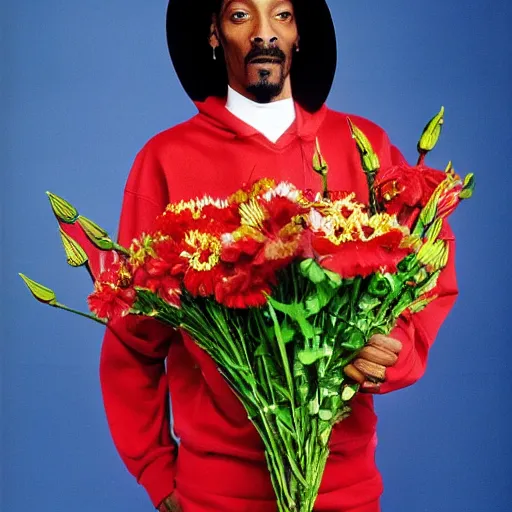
265 92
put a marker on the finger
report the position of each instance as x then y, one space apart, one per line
370 387
378 355
381 341
370 369
353 373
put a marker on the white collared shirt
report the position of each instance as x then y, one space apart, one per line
271 119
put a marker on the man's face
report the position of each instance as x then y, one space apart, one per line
258 38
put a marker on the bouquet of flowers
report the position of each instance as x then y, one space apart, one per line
282 288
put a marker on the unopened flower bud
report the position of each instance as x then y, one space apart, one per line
369 158
76 256
319 163
469 187
431 133
369 161
320 166
40 292
97 235
63 210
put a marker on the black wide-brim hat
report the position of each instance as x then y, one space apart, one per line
313 68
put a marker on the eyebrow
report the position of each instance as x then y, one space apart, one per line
229 2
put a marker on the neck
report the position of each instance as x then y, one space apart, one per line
271 119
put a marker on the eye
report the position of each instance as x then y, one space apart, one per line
284 16
239 16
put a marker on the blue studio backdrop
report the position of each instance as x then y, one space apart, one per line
85 84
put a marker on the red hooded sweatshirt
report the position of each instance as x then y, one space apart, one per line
219 464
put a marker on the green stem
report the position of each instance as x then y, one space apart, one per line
370 178
421 158
80 313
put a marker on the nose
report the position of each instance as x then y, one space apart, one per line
260 41
264 34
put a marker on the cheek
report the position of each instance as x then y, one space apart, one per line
235 54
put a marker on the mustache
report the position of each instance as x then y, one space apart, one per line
272 53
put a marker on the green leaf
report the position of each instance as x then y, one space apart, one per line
431 133
314 405
310 356
76 256
349 391
369 158
367 302
324 432
332 382
407 264
63 210
285 394
261 350
379 285
287 333
354 339
284 415
40 292
325 414
310 269
405 300
296 312
335 280
319 298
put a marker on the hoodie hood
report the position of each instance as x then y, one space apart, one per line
213 112
313 68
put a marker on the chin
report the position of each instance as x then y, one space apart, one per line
265 92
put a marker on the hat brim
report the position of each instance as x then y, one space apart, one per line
313 68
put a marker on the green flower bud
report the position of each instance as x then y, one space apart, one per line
469 187
76 256
40 292
431 133
63 210
369 158
91 228
319 164
97 235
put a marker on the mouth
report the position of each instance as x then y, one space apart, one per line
266 60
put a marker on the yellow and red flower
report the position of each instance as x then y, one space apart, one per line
113 295
405 190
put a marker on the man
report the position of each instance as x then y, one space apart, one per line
259 72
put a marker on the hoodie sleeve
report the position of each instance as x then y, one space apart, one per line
132 370
418 331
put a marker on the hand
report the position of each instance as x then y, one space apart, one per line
170 504
369 369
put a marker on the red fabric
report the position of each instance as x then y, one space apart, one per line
221 466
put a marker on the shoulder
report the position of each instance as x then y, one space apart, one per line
171 138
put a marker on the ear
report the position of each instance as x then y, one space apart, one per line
213 38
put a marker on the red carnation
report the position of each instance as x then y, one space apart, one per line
167 288
360 258
112 297
244 286
109 302
405 190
